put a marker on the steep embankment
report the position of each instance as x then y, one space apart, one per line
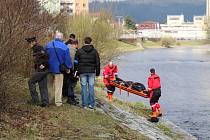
116 120
136 117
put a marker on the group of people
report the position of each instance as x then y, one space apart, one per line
65 63
110 73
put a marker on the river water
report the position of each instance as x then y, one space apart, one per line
185 79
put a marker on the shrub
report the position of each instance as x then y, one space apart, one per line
98 28
167 42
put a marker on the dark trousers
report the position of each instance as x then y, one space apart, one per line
68 87
41 79
110 89
155 97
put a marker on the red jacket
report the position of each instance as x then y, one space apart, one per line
154 82
109 73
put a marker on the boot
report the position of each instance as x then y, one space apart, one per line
159 114
110 97
154 117
153 114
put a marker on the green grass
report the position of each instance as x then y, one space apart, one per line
125 47
157 44
138 108
23 121
166 130
192 43
152 44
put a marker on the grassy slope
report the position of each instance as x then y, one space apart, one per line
23 121
125 47
140 109
150 44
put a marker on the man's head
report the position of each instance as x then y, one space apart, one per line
88 40
58 35
152 71
110 64
31 41
72 36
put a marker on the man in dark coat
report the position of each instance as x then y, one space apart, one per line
70 80
40 74
87 62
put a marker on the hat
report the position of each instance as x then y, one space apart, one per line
152 70
30 39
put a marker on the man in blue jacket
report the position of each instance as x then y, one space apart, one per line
58 53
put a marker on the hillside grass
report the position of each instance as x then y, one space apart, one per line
23 121
138 108
190 43
123 47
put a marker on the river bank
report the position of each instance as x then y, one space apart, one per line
136 117
184 77
118 120
158 44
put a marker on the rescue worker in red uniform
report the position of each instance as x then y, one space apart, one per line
154 88
110 74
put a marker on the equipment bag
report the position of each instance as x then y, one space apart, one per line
138 87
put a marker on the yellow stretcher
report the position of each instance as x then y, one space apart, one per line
129 89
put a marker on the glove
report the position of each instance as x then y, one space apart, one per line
108 79
41 67
116 77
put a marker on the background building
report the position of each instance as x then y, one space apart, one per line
52 6
72 7
176 28
207 10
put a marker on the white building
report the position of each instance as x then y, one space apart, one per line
68 6
176 28
207 9
72 7
175 19
52 6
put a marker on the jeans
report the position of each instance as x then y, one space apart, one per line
87 84
41 79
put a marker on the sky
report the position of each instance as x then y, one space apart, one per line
159 1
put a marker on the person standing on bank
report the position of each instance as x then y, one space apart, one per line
87 62
59 58
70 80
154 88
40 75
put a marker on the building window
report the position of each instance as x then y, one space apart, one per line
77 4
84 5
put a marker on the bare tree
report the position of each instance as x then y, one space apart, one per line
19 19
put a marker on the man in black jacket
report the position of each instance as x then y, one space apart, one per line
87 62
40 74
70 80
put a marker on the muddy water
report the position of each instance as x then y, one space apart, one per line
185 78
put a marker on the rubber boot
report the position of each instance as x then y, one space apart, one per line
154 117
159 114
110 97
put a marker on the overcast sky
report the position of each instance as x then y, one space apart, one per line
160 1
